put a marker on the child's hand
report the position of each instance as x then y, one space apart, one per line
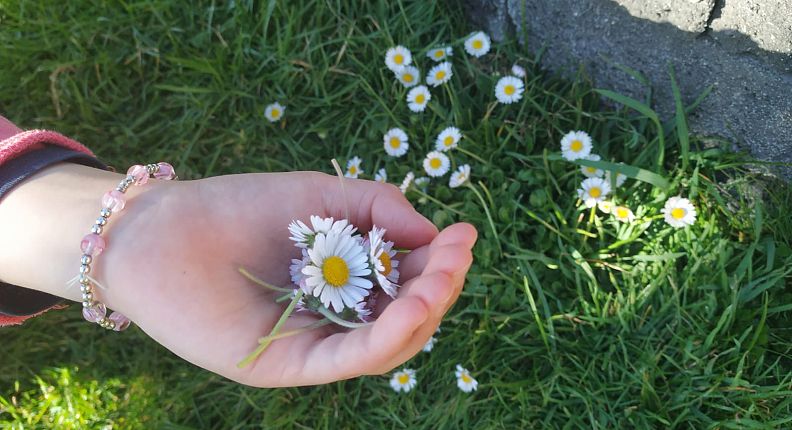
173 269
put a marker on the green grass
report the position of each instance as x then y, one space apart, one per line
567 321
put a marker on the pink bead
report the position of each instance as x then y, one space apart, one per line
121 322
95 313
139 173
165 172
92 244
114 200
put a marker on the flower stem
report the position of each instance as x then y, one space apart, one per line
258 281
309 327
274 330
338 320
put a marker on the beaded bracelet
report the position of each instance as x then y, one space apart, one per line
93 244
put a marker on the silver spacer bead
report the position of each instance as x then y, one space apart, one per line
105 212
151 168
101 221
85 288
111 326
129 180
86 304
84 279
86 259
87 297
98 229
85 268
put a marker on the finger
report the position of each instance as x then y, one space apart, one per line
373 203
351 354
437 289
462 234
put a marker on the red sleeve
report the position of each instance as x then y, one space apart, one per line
15 142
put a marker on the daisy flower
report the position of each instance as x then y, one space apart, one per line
460 176
518 71
439 74
448 139
303 236
408 178
436 164
679 212
592 172
623 214
381 255
593 191
509 89
478 44
363 312
620 178
429 344
274 112
403 380
440 54
465 382
418 97
606 206
338 271
295 271
395 142
575 144
409 76
397 57
353 167
381 176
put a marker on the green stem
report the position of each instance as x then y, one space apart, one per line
274 331
337 320
258 281
309 327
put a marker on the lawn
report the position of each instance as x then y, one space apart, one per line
569 318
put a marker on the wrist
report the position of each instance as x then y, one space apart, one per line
44 218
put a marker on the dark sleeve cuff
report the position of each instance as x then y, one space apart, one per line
14 300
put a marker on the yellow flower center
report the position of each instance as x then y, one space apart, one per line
352 170
622 212
591 170
509 90
576 146
478 44
448 141
466 378
403 378
395 143
385 259
438 54
435 163
678 213
595 192
440 75
398 58
420 99
335 271
275 113
407 77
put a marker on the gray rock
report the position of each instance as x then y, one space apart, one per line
741 47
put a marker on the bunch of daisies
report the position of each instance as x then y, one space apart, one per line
599 186
340 276
340 270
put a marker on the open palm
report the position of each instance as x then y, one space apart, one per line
176 275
